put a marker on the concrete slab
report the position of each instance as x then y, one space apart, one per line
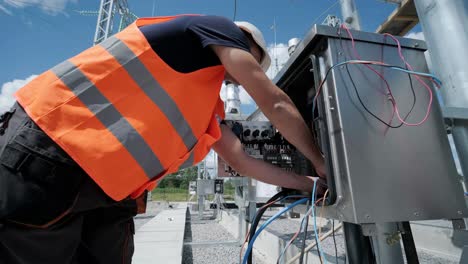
162 238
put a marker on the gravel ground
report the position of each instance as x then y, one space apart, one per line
284 228
216 254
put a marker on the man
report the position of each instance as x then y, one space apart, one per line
95 132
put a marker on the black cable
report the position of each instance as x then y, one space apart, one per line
357 93
334 240
354 85
408 244
258 216
301 259
374 115
235 10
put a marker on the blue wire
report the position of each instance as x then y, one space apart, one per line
287 197
264 225
284 249
319 247
439 82
419 73
393 67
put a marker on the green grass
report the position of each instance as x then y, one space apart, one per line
170 194
180 195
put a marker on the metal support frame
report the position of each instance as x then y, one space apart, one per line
408 244
106 14
201 198
358 246
386 244
105 19
453 113
350 14
126 17
444 20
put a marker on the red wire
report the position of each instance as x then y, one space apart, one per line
299 231
400 53
248 233
394 103
389 90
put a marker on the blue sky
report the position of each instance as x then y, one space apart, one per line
41 33
39 36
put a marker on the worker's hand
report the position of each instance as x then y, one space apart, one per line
321 185
320 169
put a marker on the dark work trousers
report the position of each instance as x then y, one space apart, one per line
50 210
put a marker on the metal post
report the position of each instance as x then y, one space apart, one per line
358 246
444 26
386 244
350 14
408 244
233 103
201 198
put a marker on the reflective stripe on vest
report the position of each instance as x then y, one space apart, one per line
124 115
151 87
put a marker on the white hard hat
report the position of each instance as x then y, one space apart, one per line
258 38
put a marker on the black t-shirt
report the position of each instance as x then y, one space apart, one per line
183 42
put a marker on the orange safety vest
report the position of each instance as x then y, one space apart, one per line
124 115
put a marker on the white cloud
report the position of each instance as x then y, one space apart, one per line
279 56
8 89
416 35
51 7
4 9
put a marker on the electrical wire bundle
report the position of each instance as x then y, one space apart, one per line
269 221
253 234
409 70
253 227
304 230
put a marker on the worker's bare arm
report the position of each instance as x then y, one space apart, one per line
273 102
229 148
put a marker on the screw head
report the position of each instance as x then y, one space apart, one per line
416 213
367 216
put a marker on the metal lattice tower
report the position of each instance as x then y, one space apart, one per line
106 14
332 21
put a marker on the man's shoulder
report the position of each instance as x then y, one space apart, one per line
212 19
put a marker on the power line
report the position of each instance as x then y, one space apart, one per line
154 5
326 11
235 10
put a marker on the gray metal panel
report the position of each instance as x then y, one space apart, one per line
205 186
385 175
